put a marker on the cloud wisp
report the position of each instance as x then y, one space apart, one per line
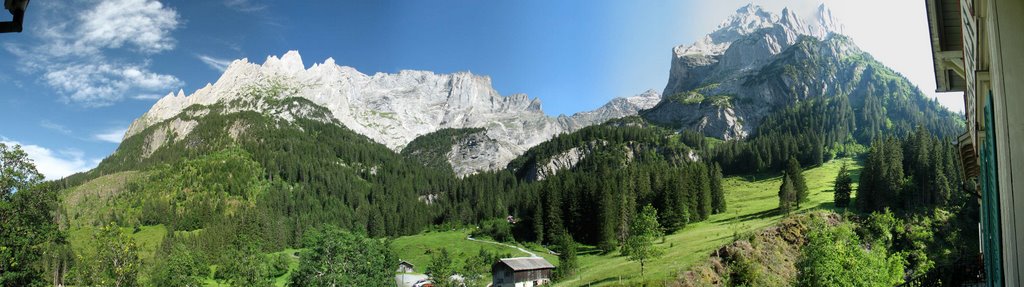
215 63
111 136
247 6
55 127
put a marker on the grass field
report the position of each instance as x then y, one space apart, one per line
148 239
415 248
751 201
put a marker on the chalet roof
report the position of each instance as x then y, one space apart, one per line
526 263
945 26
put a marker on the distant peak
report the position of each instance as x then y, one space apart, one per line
790 18
751 18
290 62
292 56
750 8
825 23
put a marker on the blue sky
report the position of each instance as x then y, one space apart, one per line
84 69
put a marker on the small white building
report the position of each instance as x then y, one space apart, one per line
404 267
521 272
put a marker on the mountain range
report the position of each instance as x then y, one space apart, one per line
723 85
394 109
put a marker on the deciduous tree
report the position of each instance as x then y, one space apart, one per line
640 245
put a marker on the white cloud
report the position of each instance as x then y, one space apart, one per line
55 164
71 51
214 63
145 24
104 84
112 136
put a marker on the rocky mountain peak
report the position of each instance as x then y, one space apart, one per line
826 23
747 19
751 18
290 63
393 109
717 84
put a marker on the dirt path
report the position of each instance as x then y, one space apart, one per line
470 238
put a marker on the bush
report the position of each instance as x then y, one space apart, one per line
834 256
497 229
279 265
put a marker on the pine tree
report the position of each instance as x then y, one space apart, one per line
799 184
627 211
843 187
717 193
538 222
567 262
553 212
608 222
441 268
787 195
702 190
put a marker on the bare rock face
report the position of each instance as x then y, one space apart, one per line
562 161
394 109
174 130
476 152
727 69
720 118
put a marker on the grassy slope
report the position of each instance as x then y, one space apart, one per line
89 204
751 202
414 248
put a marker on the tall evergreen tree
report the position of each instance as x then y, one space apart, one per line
787 195
843 187
796 175
567 261
701 189
881 179
608 221
627 211
441 268
717 193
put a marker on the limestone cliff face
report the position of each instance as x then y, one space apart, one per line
726 82
394 109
